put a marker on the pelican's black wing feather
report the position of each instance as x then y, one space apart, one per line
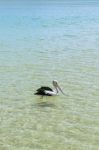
45 88
41 90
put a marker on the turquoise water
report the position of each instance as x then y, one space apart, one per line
38 44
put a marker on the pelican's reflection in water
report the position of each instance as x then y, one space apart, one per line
44 104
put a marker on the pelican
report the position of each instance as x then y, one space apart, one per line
47 91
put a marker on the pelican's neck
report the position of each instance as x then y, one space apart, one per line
56 89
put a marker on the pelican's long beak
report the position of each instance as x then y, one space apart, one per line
61 90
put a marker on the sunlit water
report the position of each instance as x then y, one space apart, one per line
38 45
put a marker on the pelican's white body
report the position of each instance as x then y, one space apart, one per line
51 92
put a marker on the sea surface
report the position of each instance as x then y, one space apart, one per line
39 44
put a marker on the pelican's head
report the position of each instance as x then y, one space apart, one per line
55 83
57 87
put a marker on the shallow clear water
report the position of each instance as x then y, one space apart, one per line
37 45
